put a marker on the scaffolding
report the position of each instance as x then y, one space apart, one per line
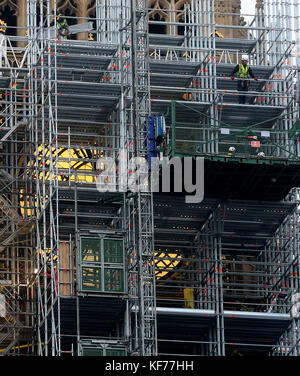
90 268
236 274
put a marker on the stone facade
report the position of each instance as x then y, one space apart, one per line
229 6
79 8
226 6
86 9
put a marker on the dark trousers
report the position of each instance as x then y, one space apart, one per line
243 86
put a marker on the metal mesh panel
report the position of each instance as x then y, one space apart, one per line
102 352
91 250
92 352
115 352
188 139
113 251
113 280
91 279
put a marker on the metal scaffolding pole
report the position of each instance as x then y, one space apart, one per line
80 250
143 201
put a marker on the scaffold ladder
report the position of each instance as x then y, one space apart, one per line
143 201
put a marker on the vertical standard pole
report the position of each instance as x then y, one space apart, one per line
143 205
78 269
173 128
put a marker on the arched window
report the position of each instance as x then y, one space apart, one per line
159 13
182 16
157 29
181 29
8 14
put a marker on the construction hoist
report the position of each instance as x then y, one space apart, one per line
156 137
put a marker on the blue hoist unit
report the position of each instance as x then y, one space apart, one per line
156 136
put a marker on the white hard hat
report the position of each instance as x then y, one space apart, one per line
232 149
245 57
261 154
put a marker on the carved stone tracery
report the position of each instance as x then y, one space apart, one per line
86 9
13 4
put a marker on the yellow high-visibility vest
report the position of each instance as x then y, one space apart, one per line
243 71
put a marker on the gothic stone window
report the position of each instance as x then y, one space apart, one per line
159 13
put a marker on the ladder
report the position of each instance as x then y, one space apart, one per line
143 201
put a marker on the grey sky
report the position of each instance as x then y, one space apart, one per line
248 7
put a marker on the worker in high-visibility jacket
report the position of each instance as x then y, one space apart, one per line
243 73
62 26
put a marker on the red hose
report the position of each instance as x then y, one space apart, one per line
64 32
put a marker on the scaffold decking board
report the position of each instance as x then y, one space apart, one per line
161 73
165 40
242 45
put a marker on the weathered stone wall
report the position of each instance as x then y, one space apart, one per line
86 9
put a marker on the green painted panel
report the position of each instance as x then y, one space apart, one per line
115 352
91 250
113 280
113 251
92 352
100 352
91 279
